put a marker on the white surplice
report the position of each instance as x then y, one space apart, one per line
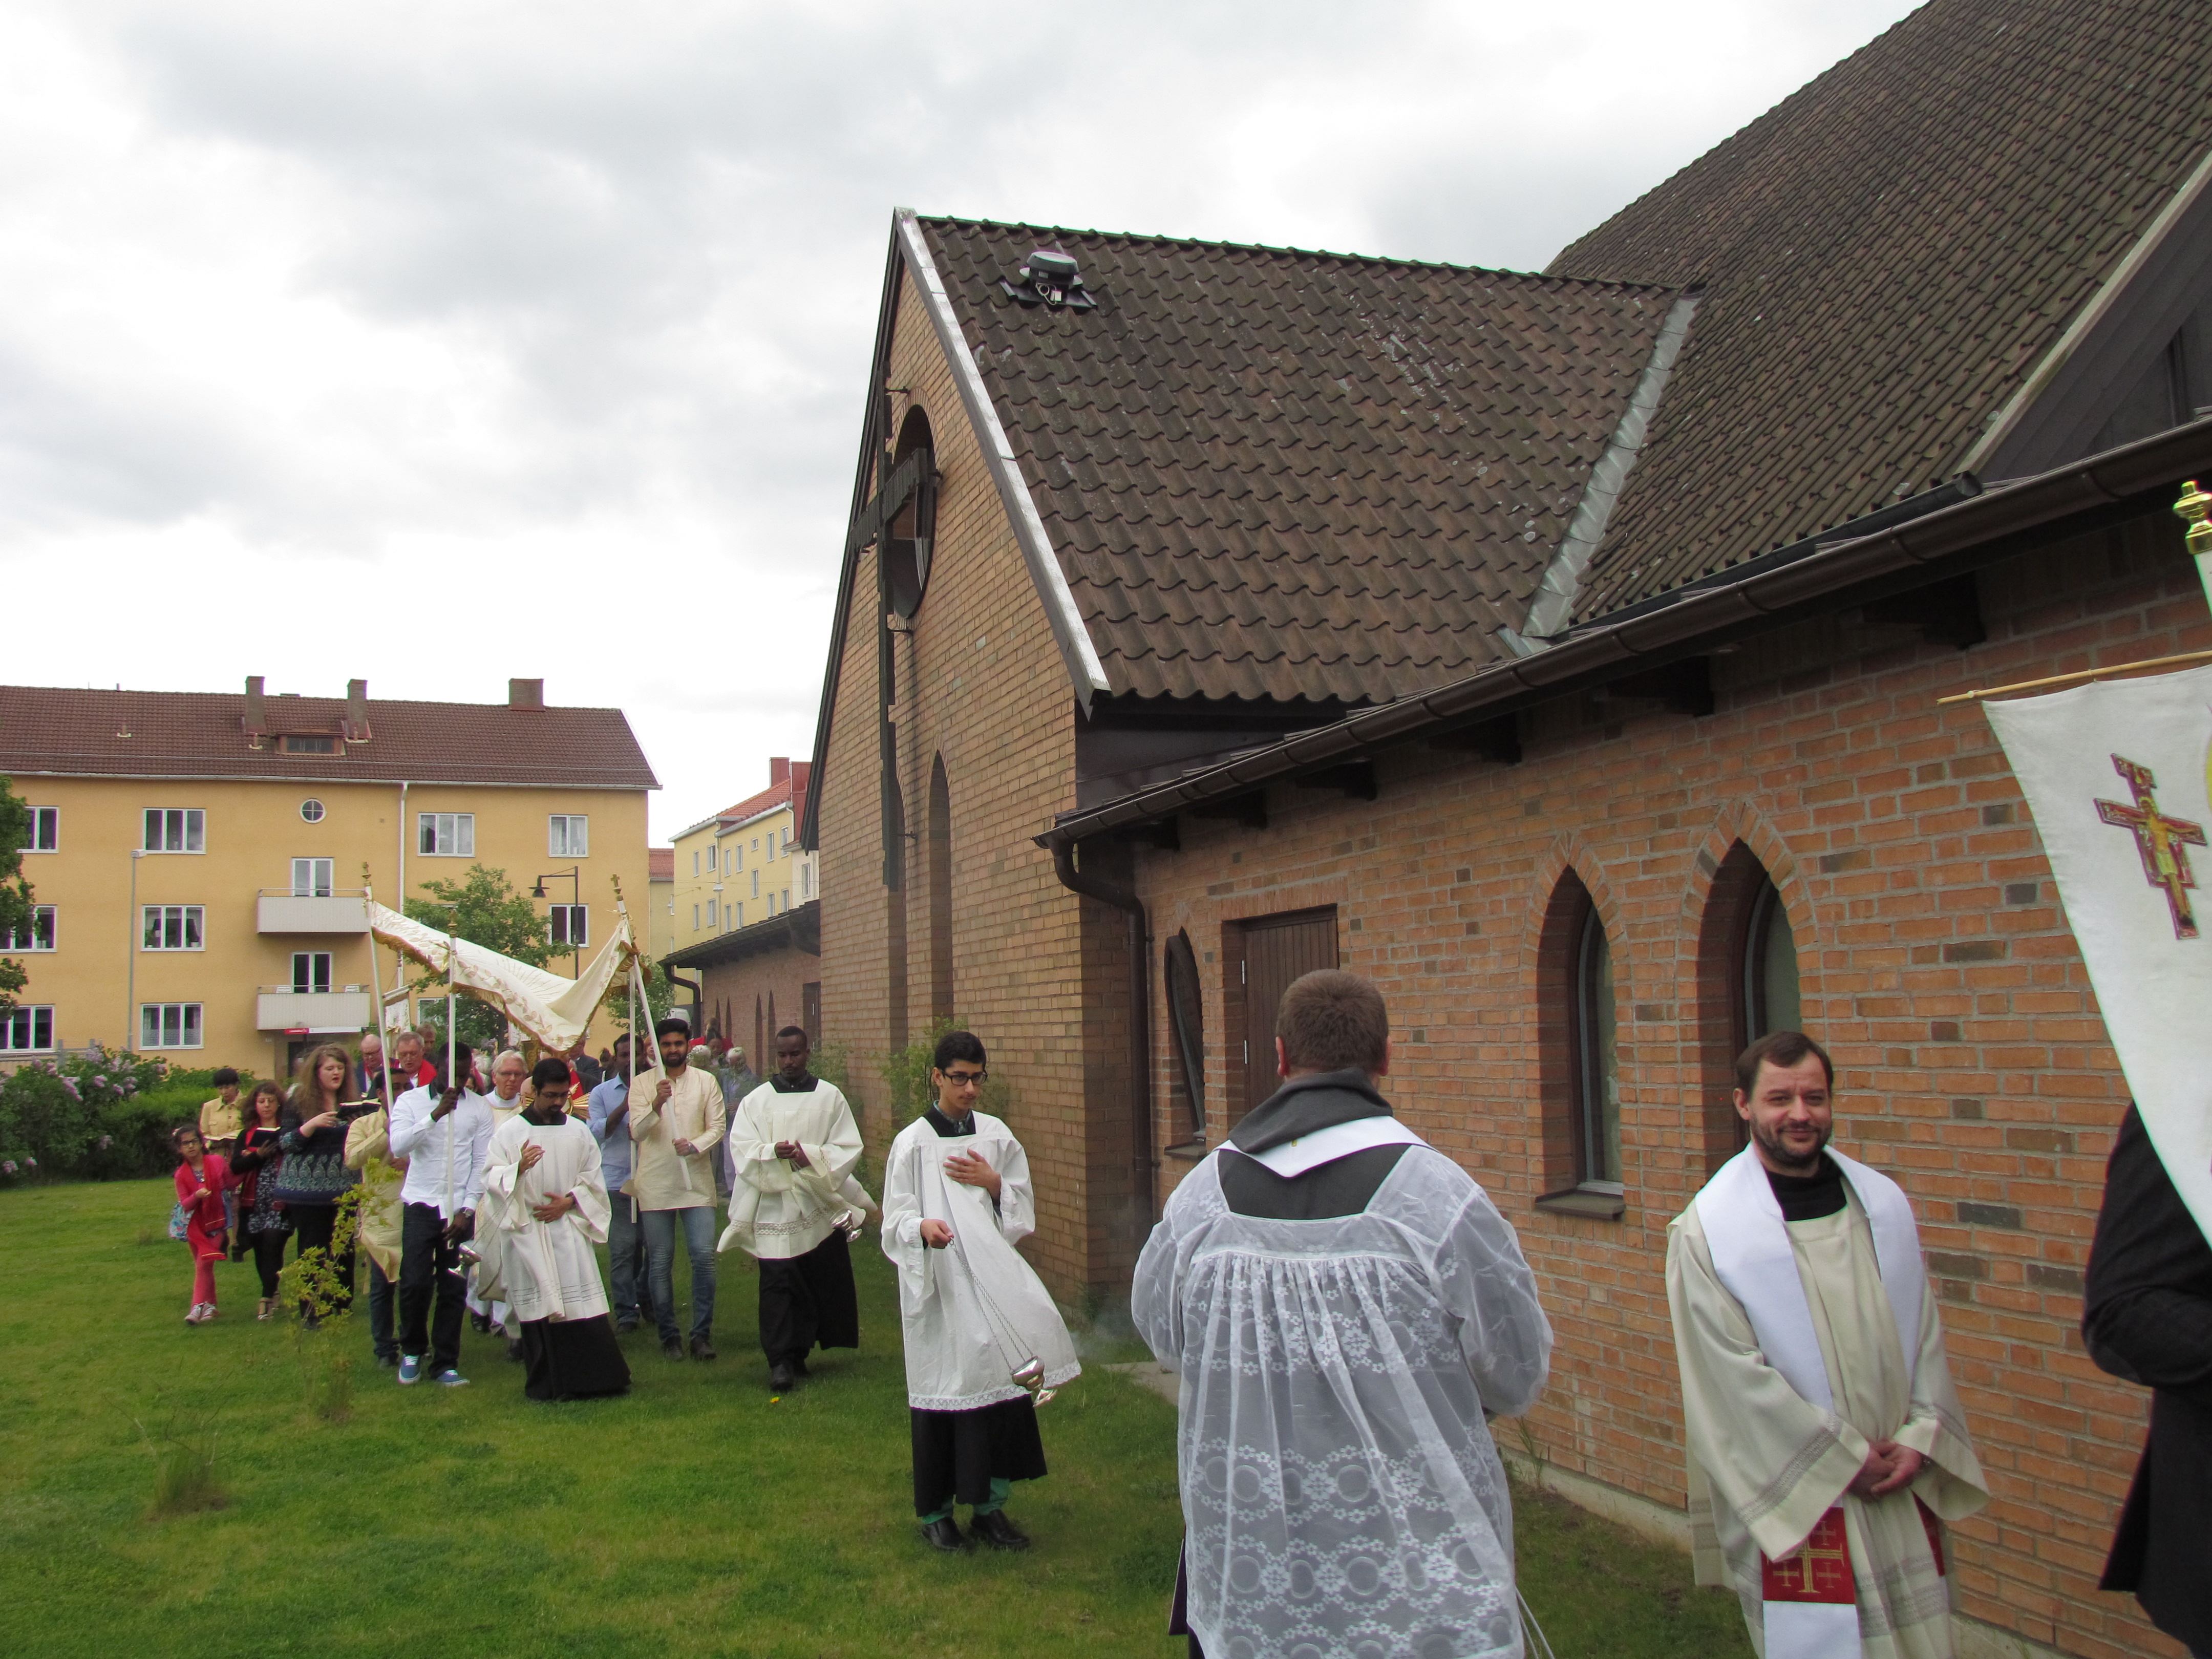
1777 1461
975 1310
778 1211
486 1295
549 1268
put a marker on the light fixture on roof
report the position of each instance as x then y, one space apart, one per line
1049 278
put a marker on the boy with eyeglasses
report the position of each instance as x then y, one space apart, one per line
981 1331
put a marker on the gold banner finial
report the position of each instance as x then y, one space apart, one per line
2196 506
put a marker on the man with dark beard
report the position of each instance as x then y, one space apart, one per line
1815 1391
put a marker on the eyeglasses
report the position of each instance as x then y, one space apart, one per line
963 1080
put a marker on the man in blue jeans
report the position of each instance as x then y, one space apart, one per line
609 1127
673 1132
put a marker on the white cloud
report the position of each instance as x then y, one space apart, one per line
322 325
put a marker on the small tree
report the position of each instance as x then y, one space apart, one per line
659 993
485 911
15 891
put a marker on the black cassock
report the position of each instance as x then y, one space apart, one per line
2147 1317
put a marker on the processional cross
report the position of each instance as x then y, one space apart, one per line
2162 842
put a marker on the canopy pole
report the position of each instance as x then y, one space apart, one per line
2078 678
376 986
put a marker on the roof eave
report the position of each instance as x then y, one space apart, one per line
1599 651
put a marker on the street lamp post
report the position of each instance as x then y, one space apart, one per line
575 878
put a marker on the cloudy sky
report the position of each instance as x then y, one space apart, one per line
438 343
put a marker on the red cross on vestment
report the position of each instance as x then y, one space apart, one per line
2162 842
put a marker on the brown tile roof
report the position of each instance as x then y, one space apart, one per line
660 864
790 791
66 732
1888 253
1272 474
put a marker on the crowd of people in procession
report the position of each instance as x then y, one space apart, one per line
1345 1305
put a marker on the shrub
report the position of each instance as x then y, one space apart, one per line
103 1116
905 1072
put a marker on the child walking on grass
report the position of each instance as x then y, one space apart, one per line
202 1177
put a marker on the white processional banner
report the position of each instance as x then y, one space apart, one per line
2117 776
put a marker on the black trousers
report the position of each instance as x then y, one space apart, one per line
268 1258
429 1264
381 1335
957 1455
807 1301
312 1224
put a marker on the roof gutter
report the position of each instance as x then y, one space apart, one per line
1948 542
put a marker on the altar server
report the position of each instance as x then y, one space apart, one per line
1345 1305
980 1328
510 1073
793 1145
1815 1391
544 1194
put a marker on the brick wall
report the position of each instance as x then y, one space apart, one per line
980 685
772 981
1935 963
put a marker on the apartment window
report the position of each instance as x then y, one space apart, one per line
695 911
312 877
787 898
806 882
569 835
713 915
168 1026
755 883
311 973
170 927
736 855
26 1029
786 840
569 924
176 830
291 744
756 843
695 863
447 835
311 811
39 936
46 830
738 911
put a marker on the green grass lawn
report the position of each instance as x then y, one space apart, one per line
692 1517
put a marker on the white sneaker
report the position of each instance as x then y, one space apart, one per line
193 1313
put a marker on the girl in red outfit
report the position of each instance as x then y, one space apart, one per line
202 1176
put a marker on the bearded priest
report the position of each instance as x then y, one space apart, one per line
792 1149
1815 1391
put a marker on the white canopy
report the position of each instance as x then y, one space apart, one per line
554 1011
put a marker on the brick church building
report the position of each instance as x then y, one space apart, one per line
1566 652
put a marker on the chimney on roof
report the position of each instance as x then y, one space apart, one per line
256 718
356 714
779 771
525 693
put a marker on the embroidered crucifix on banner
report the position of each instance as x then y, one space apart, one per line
2161 842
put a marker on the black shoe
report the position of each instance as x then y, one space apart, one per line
997 1531
780 1378
673 1348
387 1362
482 1322
799 1368
514 1350
944 1535
702 1348
624 1327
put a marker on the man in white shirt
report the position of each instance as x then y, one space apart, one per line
674 1130
444 1131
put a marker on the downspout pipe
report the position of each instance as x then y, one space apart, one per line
698 990
1125 899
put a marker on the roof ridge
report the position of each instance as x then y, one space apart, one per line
1389 261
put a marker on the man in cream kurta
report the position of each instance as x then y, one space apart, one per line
1815 1390
676 1120
793 1146
981 1330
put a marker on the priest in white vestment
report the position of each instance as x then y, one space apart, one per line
793 1146
510 1074
543 1189
1345 1305
1818 1401
981 1331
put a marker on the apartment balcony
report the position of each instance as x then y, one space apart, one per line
280 1008
283 911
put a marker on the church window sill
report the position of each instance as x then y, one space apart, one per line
1595 1204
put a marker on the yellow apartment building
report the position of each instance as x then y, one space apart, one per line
661 935
745 864
198 860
